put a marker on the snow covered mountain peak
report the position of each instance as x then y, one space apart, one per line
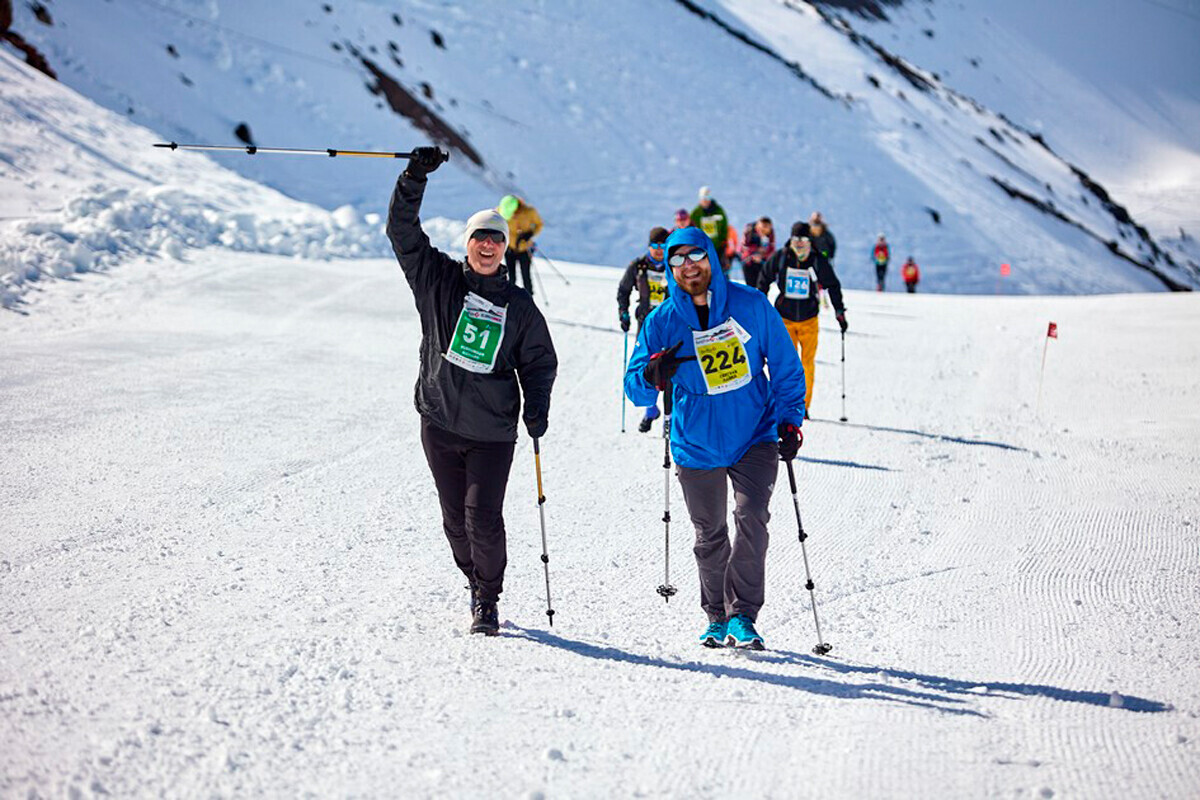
608 117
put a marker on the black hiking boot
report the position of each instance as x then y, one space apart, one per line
486 619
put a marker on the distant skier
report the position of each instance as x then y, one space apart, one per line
911 274
796 270
758 243
881 256
822 237
682 219
648 273
709 217
483 344
524 223
712 344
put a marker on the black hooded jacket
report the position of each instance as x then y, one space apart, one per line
636 274
480 406
775 271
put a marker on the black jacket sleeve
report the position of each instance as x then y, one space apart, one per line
770 272
423 265
537 367
625 288
829 281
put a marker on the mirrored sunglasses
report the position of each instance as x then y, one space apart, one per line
693 255
496 237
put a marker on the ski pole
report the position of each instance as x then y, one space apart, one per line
622 382
552 266
822 647
251 150
843 376
667 590
537 277
537 461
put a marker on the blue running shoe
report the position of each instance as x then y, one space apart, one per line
741 633
715 635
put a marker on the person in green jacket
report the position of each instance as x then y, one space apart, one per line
709 217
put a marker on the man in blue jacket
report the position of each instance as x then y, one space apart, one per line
711 344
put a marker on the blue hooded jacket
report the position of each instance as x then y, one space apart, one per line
716 430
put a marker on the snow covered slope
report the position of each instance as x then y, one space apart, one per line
608 116
222 571
83 190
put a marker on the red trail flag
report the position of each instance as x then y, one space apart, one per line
1052 331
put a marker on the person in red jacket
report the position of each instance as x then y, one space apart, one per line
881 256
911 275
758 243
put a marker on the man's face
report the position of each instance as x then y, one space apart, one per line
763 228
802 247
484 252
692 276
705 202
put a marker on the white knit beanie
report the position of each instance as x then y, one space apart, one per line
487 220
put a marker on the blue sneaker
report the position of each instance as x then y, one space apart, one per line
715 635
741 633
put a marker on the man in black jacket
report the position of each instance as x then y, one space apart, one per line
482 337
649 273
797 270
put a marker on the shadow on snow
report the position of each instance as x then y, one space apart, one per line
955 686
935 701
936 436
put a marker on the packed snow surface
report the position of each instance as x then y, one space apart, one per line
224 573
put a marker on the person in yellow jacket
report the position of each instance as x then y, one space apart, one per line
524 223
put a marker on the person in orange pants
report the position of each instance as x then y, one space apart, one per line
804 338
796 270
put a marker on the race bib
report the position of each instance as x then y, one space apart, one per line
477 335
797 284
722 357
658 287
709 226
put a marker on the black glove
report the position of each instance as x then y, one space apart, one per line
663 365
841 318
524 236
425 160
790 439
536 422
625 321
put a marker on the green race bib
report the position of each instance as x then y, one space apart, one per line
477 335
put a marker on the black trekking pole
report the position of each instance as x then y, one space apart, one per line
622 382
822 647
538 250
666 589
537 278
251 150
537 461
843 376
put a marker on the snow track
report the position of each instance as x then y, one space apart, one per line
223 570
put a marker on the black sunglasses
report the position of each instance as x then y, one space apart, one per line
496 237
695 255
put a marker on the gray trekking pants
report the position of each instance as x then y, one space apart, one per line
732 578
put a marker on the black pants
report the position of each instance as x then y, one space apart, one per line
912 286
750 271
471 478
525 260
880 274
